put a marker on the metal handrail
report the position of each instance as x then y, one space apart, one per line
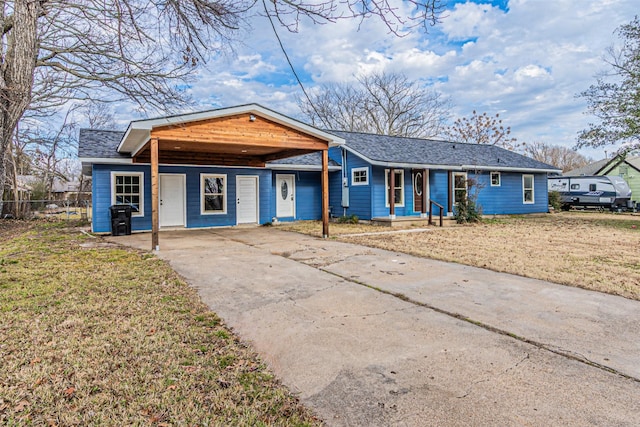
431 203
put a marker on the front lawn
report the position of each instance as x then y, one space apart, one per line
584 249
92 333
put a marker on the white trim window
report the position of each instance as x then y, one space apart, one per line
459 187
496 179
398 190
213 194
127 188
528 196
360 176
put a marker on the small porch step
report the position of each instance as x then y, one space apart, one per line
401 221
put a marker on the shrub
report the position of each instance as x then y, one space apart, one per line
554 200
350 219
467 210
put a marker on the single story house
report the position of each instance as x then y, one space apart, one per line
421 170
250 164
626 167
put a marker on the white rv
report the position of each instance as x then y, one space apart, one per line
611 192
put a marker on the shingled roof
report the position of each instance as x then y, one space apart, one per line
103 144
404 152
588 170
100 144
378 149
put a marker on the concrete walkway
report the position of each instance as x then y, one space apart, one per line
369 337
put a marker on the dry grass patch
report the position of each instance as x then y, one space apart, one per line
93 334
314 228
584 249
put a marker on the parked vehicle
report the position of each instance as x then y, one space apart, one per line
603 192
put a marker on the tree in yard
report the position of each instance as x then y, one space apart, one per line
381 103
561 157
53 51
615 98
481 129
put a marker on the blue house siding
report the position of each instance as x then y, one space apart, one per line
378 189
359 195
439 189
508 197
335 193
308 194
101 187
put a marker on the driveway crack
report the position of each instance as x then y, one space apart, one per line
544 346
484 380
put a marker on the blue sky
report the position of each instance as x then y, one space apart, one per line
524 59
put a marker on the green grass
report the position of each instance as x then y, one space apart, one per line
92 334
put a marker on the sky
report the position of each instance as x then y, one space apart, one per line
524 59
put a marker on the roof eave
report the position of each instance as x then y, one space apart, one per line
311 168
511 169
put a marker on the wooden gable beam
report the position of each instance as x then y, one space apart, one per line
240 130
190 158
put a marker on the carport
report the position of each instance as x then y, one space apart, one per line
243 136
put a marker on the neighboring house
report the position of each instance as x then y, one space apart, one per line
626 167
423 170
249 164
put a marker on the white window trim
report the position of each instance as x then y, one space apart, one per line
499 184
386 185
225 194
533 188
466 185
140 212
354 170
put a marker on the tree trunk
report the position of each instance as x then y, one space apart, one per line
16 78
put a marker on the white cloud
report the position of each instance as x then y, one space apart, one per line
528 62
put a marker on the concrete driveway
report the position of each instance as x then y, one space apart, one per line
367 337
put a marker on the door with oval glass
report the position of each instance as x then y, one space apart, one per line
418 190
285 196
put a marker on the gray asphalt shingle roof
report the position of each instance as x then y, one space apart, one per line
378 148
311 159
401 150
101 144
588 170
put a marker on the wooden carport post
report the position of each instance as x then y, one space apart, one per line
325 193
155 246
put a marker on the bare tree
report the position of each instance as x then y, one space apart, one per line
54 50
615 98
381 103
482 129
561 157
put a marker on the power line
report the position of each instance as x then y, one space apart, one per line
289 62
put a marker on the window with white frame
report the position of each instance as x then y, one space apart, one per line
459 187
527 189
127 188
398 189
360 176
495 179
213 194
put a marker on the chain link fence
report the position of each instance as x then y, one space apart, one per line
63 210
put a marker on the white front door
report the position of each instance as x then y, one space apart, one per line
285 196
172 200
247 203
